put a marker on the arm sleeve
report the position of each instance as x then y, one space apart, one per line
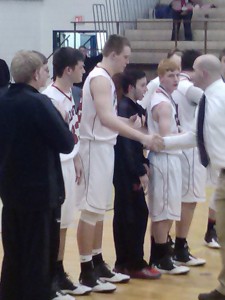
181 141
194 94
133 158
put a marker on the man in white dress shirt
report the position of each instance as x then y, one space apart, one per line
212 133
187 98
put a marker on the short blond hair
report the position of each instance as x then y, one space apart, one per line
167 65
24 65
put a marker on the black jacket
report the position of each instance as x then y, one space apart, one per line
4 73
32 134
129 158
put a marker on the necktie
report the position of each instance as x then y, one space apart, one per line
200 136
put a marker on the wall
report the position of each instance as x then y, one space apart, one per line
29 24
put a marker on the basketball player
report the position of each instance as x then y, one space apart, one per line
98 132
165 179
175 56
68 65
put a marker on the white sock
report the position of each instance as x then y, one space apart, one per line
85 258
96 251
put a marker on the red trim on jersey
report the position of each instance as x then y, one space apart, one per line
68 97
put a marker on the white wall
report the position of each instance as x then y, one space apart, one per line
29 24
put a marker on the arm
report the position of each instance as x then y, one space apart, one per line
101 93
176 141
152 86
78 168
180 141
162 114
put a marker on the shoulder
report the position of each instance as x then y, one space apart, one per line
159 100
126 107
100 82
53 93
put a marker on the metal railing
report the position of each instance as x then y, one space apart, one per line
115 16
120 10
120 27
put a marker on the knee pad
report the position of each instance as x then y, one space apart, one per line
90 217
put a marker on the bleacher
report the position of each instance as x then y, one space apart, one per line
151 40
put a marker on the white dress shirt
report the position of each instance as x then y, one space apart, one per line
214 123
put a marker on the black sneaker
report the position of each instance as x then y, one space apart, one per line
104 273
89 278
211 239
170 244
182 257
214 295
66 285
166 266
170 241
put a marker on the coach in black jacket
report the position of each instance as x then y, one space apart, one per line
32 134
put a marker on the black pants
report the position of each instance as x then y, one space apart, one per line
177 18
129 227
30 242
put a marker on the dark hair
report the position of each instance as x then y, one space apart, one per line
222 54
188 58
65 57
174 51
115 43
130 77
82 46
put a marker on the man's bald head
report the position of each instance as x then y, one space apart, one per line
209 63
207 69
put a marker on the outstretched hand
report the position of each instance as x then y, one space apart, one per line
154 142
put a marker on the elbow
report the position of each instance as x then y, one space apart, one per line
68 145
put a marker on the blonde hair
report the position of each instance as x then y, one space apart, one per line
24 65
166 65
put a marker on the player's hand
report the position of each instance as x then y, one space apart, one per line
136 121
144 182
147 170
78 168
154 142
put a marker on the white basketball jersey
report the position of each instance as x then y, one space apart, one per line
186 109
159 96
68 104
91 128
